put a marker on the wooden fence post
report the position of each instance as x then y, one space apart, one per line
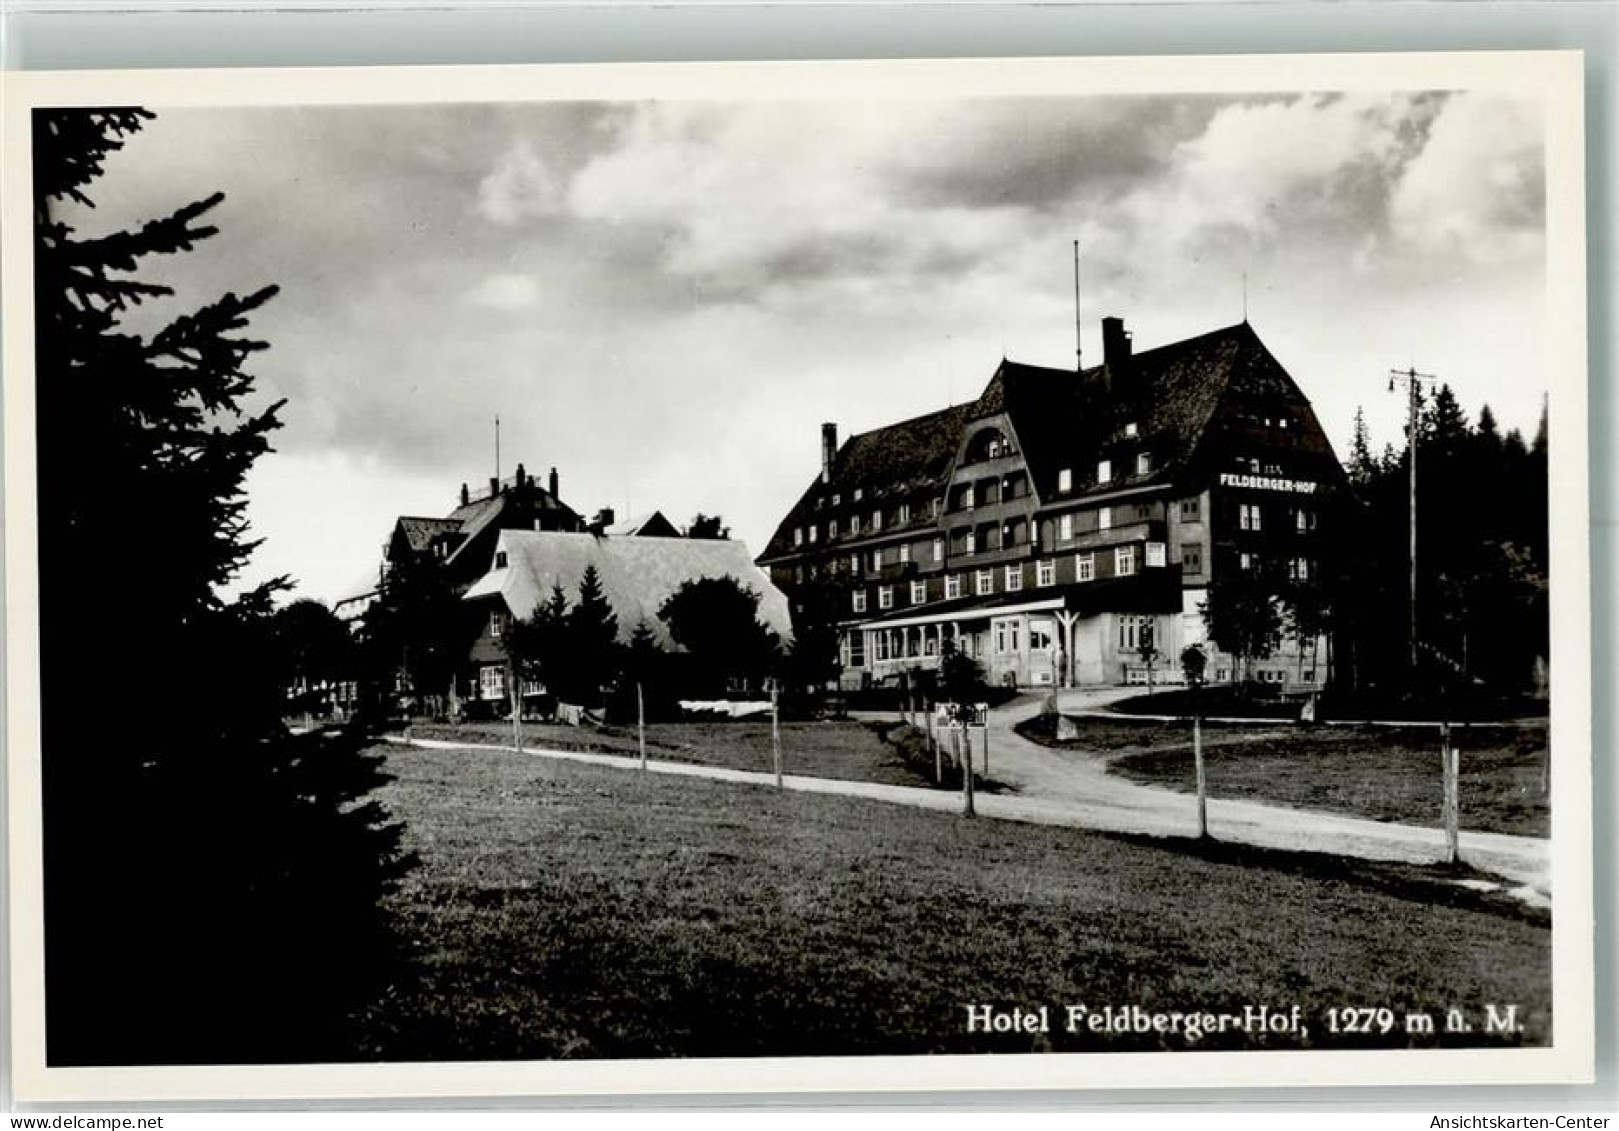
967 772
1202 784
640 721
1452 767
775 734
933 742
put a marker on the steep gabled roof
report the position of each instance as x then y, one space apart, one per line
653 524
898 457
419 532
637 575
1064 419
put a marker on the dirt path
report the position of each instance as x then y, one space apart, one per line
1074 789
1079 782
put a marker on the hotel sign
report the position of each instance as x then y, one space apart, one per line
1267 483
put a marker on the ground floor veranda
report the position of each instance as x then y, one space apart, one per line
1047 643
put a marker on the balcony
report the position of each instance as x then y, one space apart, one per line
1149 530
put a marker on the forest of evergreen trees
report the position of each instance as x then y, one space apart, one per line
1482 566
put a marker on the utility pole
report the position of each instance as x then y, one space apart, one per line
1079 345
1413 388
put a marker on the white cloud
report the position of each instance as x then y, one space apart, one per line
1476 189
520 187
506 291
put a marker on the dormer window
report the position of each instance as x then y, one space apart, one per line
904 513
831 528
798 536
1130 429
500 559
1065 479
1143 463
857 493
877 520
1104 471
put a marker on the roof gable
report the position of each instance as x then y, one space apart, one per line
637 575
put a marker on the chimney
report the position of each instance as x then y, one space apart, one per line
522 476
494 486
598 525
554 493
829 450
466 496
1115 345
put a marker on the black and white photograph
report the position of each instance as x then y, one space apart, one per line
702 577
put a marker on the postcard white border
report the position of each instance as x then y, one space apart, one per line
1555 77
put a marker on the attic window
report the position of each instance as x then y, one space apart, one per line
1143 463
1130 428
857 494
500 559
1065 479
1104 471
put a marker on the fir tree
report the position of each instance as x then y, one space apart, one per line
593 636
246 864
1363 466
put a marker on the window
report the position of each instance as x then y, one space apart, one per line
1135 631
491 681
854 563
1042 636
1143 463
859 600
984 582
1130 429
1045 573
1143 511
877 520
875 560
1085 567
1008 636
1065 528
1104 471
885 597
497 622
938 549
1155 554
1248 516
905 552
831 529
857 649
1124 561
857 493
1190 508
1014 578
1304 519
836 499
904 513
854 524
938 507
500 559
798 574
1104 518
1065 479
1298 569
919 592
1246 561
798 536
814 530
952 586
1191 557
972 542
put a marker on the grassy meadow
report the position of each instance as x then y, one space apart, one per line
564 910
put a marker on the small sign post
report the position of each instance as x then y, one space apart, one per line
983 715
933 743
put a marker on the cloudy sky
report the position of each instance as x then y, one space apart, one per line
664 300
